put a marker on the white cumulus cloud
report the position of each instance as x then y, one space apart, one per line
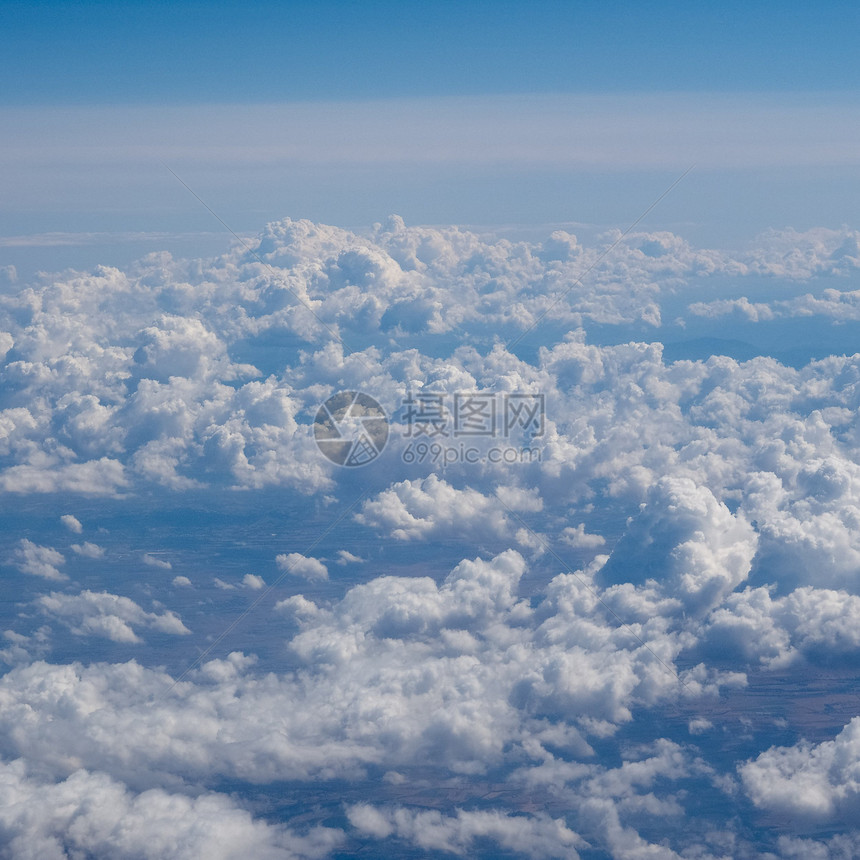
299 565
107 615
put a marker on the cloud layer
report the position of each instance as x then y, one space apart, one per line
542 656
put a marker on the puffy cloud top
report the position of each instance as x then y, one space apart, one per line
565 666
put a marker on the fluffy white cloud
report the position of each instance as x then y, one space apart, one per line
839 847
528 836
180 346
117 376
688 541
811 622
21 649
88 550
108 615
742 308
72 523
90 814
38 560
579 538
103 477
722 496
399 672
809 781
300 565
431 507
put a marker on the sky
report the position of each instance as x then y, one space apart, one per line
470 113
429 430
192 53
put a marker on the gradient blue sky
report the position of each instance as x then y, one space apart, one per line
121 53
472 113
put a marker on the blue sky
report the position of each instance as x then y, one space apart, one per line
470 113
121 53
